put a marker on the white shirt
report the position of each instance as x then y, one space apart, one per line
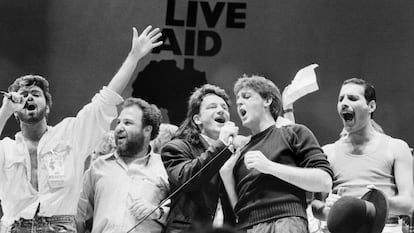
110 185
61 154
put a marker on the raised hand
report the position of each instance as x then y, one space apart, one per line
142 44
229 129
12 102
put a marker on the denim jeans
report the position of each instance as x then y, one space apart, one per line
58 223
281 225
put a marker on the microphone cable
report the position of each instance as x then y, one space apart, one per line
182 186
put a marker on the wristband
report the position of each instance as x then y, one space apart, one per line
288 110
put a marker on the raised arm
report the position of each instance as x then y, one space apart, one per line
183 161
141 45
288 113
12 102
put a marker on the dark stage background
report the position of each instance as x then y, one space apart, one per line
79 44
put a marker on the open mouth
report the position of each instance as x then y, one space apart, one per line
348 116
242 112
220 119
120 136
30 107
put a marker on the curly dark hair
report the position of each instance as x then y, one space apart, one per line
33 80
151 114
369 89
188 130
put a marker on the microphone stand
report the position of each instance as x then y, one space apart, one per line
181 187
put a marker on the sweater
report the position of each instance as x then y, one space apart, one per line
264 197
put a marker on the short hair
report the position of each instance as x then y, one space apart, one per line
151 115
266 89
188 130
33 80
369 89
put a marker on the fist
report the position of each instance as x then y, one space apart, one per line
228 130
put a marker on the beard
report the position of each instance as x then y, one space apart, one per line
32 117
130 147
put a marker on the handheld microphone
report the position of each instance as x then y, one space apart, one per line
230 140
8 95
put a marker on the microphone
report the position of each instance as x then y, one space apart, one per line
230 140
8 95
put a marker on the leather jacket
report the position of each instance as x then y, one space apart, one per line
195 205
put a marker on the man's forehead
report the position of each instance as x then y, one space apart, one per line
131 112
30 88
353 89
212 98
245 90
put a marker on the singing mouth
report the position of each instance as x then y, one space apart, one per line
348 116
242 112
30 107
220 119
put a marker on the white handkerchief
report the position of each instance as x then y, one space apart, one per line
303 84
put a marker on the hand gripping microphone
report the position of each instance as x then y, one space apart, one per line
230 140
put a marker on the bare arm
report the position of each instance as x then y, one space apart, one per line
141 45
288 113
403 202
309 179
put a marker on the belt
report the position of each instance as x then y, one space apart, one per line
392 220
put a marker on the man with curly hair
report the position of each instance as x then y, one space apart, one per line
123 187
41 168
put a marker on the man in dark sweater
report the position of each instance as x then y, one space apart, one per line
202 139
275 169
